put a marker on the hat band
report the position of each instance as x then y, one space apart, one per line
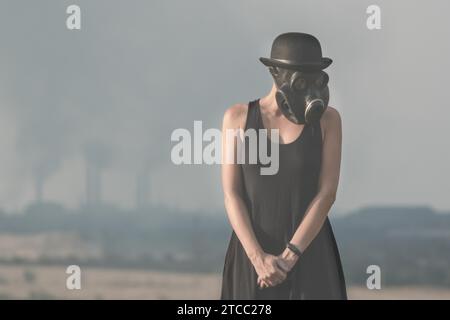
295 62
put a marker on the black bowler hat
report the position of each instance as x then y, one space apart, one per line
298 51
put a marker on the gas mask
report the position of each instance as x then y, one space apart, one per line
302 96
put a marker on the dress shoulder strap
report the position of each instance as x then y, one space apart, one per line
251 121
316 130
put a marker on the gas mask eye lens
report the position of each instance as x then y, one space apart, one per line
322 80
300 84
319 81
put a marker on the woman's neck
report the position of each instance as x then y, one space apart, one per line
269 102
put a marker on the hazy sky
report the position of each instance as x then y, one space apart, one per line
137 70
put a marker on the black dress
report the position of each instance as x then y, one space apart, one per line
276 205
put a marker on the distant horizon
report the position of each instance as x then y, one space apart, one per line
104 205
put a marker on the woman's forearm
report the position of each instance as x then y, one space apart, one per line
241 224
313 221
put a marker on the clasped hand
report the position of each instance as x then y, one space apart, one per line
272 270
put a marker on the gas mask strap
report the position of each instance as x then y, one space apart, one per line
293 78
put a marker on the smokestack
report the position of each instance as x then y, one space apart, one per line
43 168
97 156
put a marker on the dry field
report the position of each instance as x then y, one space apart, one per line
49 282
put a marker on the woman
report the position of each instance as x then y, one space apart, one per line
282 245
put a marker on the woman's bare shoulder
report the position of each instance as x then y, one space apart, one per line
235 115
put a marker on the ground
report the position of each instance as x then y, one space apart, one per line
49 282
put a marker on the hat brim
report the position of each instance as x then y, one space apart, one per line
324 63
